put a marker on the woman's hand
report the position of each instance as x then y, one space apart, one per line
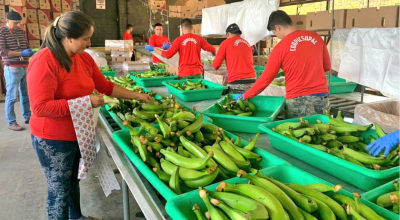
97 100
143 97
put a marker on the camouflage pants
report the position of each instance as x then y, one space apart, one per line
306 105
239 88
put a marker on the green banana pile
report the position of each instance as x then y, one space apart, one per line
267 198
189 85
278 83
158 66
151 74
339 139
124 82
390 201
106 69
240 108
187 154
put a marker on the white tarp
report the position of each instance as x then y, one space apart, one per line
371 57
235 12
214 20
338 42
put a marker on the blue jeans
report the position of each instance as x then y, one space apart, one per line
16 79
60 163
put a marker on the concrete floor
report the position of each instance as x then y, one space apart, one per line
23 187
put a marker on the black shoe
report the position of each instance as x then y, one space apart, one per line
27 122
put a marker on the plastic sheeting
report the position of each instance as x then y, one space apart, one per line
384 113
214 20
218 76
371 57
274 90
338 42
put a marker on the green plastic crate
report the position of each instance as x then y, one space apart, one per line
361 177
151 82
372 195
339 85
268 107
260 70
180 207
213 90
122 138
110 73
104 111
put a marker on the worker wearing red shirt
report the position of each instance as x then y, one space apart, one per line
304 58
158 40
189 47
239 60
128 36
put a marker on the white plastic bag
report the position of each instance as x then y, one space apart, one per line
100 61
274 90
214 20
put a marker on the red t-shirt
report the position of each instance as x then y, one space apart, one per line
157 41
304 59
50 86
189 47
239 58
127 36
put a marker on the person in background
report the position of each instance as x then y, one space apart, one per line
158 40
304 58
128 36
189 47
15 53
59 74
387 143
239 60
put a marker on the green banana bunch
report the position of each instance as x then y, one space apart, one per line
189 85
240 108
390 199
152 74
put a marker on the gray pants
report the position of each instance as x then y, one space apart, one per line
306 105
239 88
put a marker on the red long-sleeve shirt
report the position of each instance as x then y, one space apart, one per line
157 41
50 86
239 58
189 47
304 59
127 36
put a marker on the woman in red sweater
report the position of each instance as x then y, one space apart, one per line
61 78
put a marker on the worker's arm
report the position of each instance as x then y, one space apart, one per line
207 47
171 51
270 72
326 59
220 57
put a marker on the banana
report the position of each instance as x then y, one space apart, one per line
222 159
148 127
194 127
333 144
379 131
364 210
162 175
342 130
349 139
155 145
246 153
132 130
252 106
274 208
210 137
290 125
319 147
214 213
198 137
232 213
327 137
196 210
339 123
283 198
182 124
209 129
163 126
305 139
335 207
308 131
307 216
230 151
365 158
324 211
252 208
353 213
238 141
196 150
151 107
190 163
384 200
145 115
184 173
174 181
203 181
186 116
396 184
244 165
142 148
352 160
250 146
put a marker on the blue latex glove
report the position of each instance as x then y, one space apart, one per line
166 46
238 97
149 48
214 54
387 143
27 53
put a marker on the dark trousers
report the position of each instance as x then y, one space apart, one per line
60 163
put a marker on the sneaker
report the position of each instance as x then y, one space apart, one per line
15 127
27 122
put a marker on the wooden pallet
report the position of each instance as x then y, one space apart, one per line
347 106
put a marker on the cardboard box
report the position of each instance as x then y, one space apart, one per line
56 6
172 69
196 29
181 9
6 2
43 28
34 43
299 21
2 12
44 16
120 59
15 2
384 17
33 31
32 4
32 16
44 4
218 76
209 3
1 2
198 13
119 45
56 14
263 60
322 20
66 5
21 10
157 4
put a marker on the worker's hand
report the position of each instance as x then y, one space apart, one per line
27 53
143 97
387 143
97 100
149 48
238 97
166 46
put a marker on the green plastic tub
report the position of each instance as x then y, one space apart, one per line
339 85
122 138
260 70
213 90
363 178
180 207
110 73
372 195
152 82
268 107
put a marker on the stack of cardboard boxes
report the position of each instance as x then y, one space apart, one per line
191 8
121 51
157 4
200 5
269 45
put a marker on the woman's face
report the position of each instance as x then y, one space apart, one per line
77 46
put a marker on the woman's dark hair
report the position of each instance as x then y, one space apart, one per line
278 18
72 24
